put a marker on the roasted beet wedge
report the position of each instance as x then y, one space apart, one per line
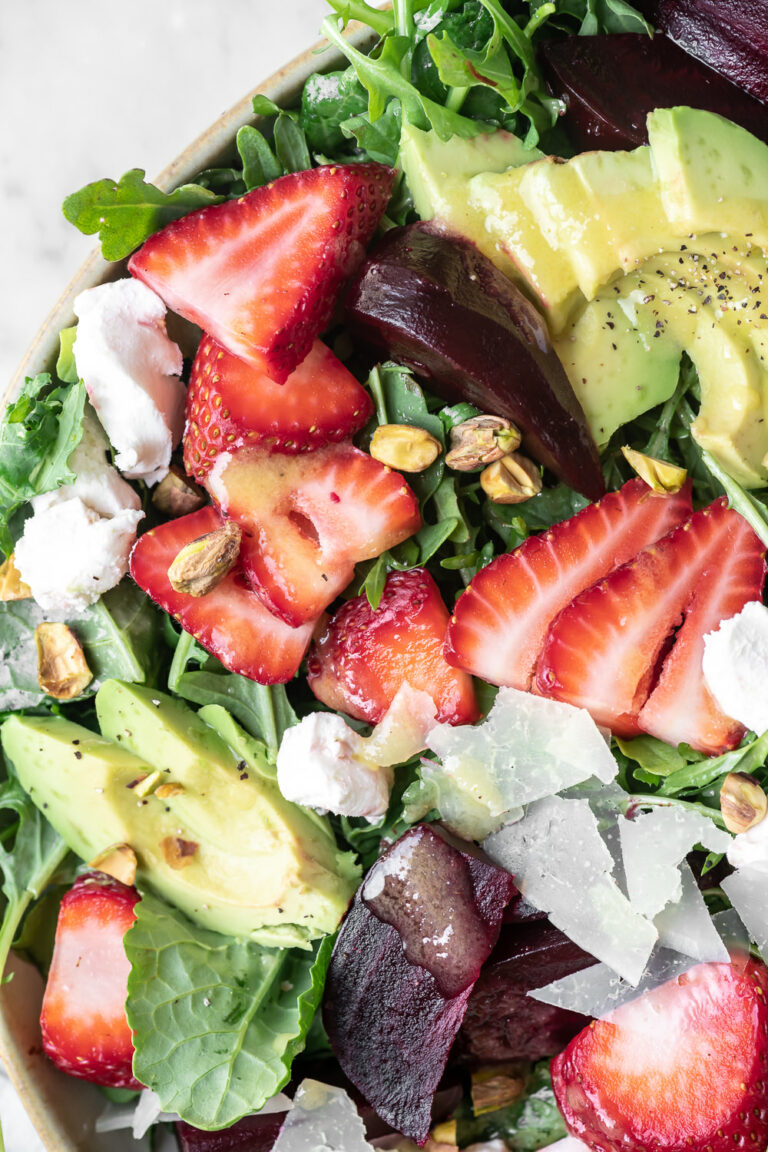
397 989
729 35
253 1134
434 302
502 1022
611 83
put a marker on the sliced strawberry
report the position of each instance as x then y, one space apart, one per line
683 1067
261 274
307 520
85 1030
604 650
231 621
363 656
231 404
500 622
681 709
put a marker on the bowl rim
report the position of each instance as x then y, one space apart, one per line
62 1108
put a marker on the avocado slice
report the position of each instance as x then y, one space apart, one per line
256 865
713 174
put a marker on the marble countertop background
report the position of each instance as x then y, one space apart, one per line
89 89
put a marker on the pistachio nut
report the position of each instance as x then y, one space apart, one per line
178 853
203 563
443 1136
405 447
480 441
658 474
12 587
495 1087
167 791
177 495
511 480
119 862
743 802
62 670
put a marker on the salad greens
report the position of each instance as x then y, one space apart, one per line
530 1122
217 1021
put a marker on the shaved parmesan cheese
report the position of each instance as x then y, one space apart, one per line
322 1118
653 844
687 926
562 866
596 991
747 890
402 730
734 935
527 748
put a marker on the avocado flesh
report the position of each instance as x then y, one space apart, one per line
263 868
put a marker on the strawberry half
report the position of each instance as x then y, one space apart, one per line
604 651
363 656
231 404
682 1068
307 520
500 622
261 274
231 621
85 1030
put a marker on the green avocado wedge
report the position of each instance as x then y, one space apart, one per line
222 844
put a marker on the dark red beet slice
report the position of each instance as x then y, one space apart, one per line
611 83
390 1026
730 36
501 1021
253 1134
437 304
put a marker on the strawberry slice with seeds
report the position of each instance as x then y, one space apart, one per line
605 650
231 404
682 1067
681 709
261 274
230 621
85 1030
364 655
500 622
307 520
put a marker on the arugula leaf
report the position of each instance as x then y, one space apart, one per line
27 863
612 16
746 503
653 756
39 432
126 212
699 774
328 101
531 1122
217 1021
66 369
259 161
379 141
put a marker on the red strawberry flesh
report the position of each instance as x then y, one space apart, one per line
261 274
231 621
683 1068
230 404
363 656
499 624
83 1021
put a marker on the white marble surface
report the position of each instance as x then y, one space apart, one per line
91 88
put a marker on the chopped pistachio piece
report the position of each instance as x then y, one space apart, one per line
443 1136
177 495
12 587
119 862
480 441
178 853
743 802
658 474
511 480
203 563
166 791
148 783
496 1087
62 670
404 447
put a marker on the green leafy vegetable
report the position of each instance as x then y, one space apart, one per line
699 773
66 369
328 101
531 1122
653 756
217 1021
126 212
259 161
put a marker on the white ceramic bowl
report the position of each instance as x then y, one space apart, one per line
64 1110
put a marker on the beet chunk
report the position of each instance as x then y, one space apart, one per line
730 36
437 304
252 1134
501 1021
610 84
390 1025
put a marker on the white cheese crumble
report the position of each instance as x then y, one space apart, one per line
76 544
131 372
735 666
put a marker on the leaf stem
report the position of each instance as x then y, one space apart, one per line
180 658
641 800
455 99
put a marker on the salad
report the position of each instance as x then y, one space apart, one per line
385 663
